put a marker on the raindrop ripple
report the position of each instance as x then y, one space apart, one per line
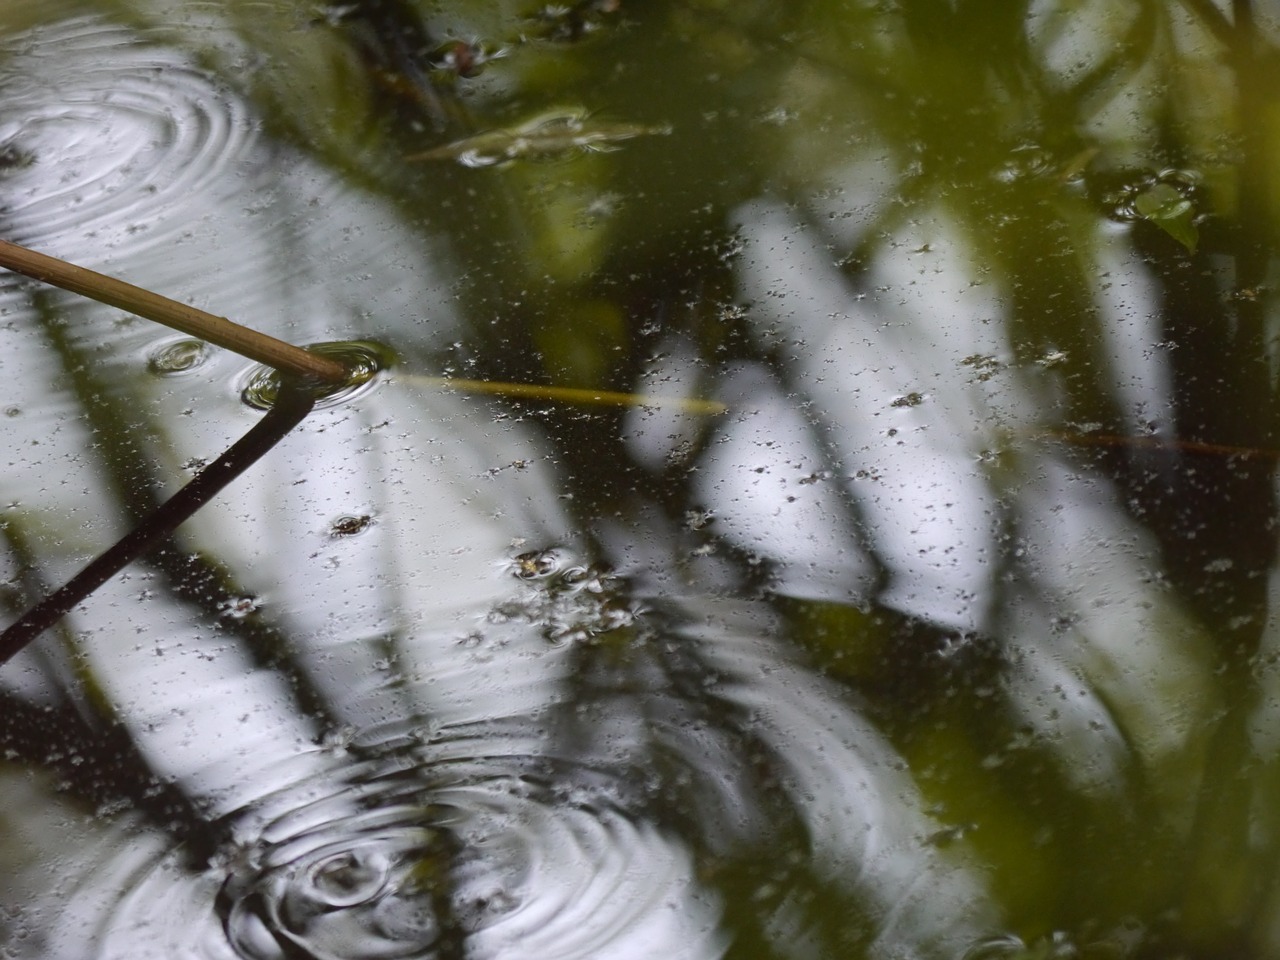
105 132
363 359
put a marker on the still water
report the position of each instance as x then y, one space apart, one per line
810 490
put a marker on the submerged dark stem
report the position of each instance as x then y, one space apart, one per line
1213 20
291 407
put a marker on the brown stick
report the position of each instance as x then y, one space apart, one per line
220 331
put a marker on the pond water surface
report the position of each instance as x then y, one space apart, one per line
817 498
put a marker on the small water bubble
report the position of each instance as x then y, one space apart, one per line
363 360
472 639
174 357
350 526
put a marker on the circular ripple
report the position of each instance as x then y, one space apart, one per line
177 356
363 360
366 885
418 851
414 854
106 132
553 819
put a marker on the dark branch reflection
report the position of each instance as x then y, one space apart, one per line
292 405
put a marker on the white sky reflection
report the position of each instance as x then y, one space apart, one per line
902 411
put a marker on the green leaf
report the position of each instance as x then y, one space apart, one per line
1167 207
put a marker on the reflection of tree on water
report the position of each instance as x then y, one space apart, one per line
864 666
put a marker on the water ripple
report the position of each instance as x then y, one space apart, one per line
101 151
410 854
598 791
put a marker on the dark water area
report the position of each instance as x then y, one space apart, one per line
810 491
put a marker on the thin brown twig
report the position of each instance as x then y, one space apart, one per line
220 331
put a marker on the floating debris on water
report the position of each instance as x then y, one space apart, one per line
547 135
984 367
1052 358
238 608
570 600
350 526
537 564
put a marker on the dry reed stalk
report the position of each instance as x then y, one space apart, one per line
220 331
